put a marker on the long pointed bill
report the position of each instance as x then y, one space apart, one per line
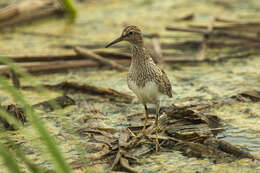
114 42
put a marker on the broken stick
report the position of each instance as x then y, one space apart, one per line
89 89
214 33
100 59
50 66
27 11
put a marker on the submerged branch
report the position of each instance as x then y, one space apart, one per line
214 33
88 89
100 59
28 10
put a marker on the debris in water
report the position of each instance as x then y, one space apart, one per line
59 102
16 112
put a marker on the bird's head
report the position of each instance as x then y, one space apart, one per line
131 34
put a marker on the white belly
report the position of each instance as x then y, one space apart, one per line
147 94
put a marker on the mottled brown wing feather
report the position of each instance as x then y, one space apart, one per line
166 88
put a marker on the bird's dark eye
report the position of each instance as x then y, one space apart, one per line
130 33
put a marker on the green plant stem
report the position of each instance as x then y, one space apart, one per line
10 119
70 8
57 157
9 160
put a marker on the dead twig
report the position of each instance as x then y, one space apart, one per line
115 55
183 29
157 49
186 17
56 103
42 58
214 33
228 148
130 131
50 66
15 79
233 21
100 59
28 10
167 138
36 67
203 49
116 161
179 125
125 164
90 89
100 154
182 58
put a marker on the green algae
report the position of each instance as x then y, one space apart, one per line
102 21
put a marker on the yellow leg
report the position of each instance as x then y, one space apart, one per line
156 126
146 118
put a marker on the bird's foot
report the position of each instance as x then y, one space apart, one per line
154 139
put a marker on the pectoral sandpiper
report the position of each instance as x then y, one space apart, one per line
144 77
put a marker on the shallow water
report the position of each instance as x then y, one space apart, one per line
190 82
241 120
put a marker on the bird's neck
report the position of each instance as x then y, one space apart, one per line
139 55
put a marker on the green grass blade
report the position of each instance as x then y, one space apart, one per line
10 119
28 77
31 166
57 157
70 8
21 71
9 160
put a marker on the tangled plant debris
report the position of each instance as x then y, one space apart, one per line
181 128
102 118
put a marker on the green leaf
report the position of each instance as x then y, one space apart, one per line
9 160
56 155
